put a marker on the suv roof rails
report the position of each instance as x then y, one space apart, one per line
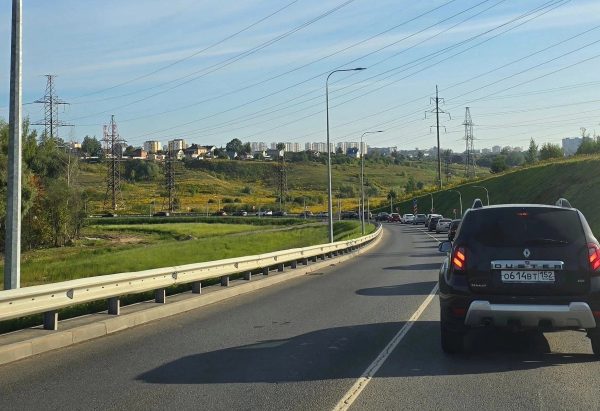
563 202
477 203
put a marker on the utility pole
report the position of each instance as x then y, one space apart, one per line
470 155
170 180
12 238
282 178
113 144
51 104
437 112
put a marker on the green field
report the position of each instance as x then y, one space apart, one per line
111 249
577 180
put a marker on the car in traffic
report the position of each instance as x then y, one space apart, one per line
453 227
394 218
220 213
240 213
306 214
433 223
279 214
520 266
407 218
383 216
419 219
443 225
429 217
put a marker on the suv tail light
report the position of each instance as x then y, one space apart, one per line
459 258
594 256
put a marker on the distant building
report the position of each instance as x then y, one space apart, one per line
382 151
258 146
274 154
152 146
155 157
195 151
353 152
139 154
320 147
485 151
496 149
570 145
293 147
177 144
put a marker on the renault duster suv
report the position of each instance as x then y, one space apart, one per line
520 266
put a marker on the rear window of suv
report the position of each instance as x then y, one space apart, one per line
522 227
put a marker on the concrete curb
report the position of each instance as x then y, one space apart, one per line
53 340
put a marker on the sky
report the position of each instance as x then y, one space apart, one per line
210 71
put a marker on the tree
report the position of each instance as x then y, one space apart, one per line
280 146
410 185
247 149
339 150
392 195
588 146
91 146
549 151
420 155
141 170
532 152
128 151
498 164
234 146
420 185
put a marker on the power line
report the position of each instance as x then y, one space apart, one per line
158 70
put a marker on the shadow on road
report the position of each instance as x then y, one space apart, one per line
415 267
423 288
435 254
345 352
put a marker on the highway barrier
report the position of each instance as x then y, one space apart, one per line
49 298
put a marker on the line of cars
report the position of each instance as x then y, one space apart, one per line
433 222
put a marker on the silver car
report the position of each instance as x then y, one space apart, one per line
443 226
407 218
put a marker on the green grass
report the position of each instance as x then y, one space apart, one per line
157 248
575 179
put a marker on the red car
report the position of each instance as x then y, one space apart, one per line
394 217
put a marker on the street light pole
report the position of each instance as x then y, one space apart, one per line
362 179
487 194
12 238
431 202
329 194
460 199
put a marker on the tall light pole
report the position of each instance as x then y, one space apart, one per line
329 194
362 179
12 238
487 193
431 202
460 199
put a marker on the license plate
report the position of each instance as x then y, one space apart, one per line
527 276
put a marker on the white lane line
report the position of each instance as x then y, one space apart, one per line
372 369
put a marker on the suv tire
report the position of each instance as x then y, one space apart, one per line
594 337
452 339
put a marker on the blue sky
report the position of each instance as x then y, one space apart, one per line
534 75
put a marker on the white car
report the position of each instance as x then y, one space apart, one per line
443 226
407 218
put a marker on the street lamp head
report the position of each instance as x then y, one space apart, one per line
359 68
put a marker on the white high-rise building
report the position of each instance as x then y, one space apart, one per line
177 144
258 146
570 145
152 146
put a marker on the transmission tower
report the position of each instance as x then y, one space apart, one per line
170 179
469 152
51 104
437 111
113 144
282 180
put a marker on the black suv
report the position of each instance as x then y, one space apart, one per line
520 266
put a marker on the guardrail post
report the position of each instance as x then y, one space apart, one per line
114 306
225 281
51 320
294 264
266 271
248 275
197 287
313 259
305 261
322 256
160 296
280 267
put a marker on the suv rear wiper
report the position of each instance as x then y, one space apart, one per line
546 241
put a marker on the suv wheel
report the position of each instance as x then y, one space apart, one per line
594 337
452 341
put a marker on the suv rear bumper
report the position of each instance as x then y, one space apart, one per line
573 315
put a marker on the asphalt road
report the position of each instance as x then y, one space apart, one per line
303 345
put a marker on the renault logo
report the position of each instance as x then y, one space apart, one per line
526 253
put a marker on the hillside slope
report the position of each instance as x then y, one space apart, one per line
577 180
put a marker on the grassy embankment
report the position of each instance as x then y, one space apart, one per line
107 249
253 184
576 179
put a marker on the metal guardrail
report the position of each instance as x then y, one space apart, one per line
48 298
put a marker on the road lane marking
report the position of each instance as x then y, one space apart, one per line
372 369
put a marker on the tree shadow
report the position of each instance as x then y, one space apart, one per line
422 288
345 352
